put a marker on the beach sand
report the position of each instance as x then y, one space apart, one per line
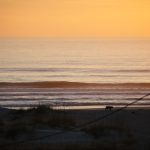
126 129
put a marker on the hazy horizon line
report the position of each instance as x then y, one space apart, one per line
84 38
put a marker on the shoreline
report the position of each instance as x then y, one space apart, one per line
79 108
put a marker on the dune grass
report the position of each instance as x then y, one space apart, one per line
20 122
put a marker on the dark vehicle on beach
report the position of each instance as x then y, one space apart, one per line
109 107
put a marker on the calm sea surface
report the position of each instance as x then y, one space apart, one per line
74 60
85 60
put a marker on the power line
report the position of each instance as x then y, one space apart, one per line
113 112
77 127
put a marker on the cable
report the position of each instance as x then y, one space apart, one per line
77 127
115 111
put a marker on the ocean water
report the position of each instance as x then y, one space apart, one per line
72 98
74 60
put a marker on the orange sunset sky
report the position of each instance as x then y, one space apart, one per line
74 18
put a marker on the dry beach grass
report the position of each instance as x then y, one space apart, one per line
128 129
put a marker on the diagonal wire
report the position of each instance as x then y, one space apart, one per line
77 127
113 112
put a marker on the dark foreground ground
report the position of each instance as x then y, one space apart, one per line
43 128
